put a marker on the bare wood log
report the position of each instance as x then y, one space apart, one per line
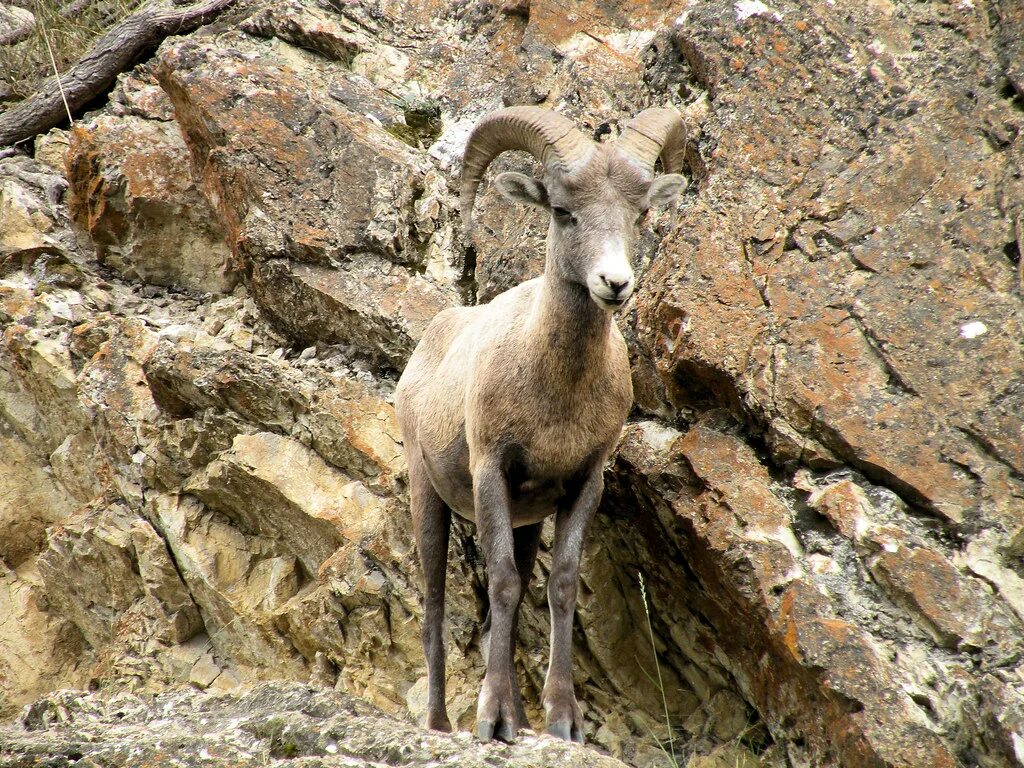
112 54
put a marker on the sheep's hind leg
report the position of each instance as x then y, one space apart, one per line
431 519
496 713
564 718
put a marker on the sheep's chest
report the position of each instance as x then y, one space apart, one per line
551 414
547 473
562 447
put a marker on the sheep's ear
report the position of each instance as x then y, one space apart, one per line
522 189
665 189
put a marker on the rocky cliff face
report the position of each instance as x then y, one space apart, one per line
208 286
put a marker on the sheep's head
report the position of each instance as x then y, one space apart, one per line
596 194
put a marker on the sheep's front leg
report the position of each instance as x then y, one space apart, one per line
527 542
563 713
496 714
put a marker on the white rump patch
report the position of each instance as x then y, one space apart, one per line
747 8
973 329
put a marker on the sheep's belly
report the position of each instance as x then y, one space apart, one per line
534 500
525 511
531 499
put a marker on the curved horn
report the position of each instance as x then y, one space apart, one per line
548 136
655 132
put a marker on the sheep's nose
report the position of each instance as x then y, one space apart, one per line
616 283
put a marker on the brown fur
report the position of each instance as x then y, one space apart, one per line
508 412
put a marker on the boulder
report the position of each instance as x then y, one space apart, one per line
131 191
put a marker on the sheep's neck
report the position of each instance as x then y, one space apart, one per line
572 334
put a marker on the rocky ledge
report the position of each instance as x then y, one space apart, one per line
284 725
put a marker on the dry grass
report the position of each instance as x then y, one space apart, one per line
670 753
738 753
69 27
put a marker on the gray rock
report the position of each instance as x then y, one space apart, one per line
275 724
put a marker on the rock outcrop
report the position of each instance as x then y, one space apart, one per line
274 724
810 549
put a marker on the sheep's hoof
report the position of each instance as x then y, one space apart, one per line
567 731
506 732
438 723
485 731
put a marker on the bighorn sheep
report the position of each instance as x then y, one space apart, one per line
509 410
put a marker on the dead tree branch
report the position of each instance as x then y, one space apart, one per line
112 54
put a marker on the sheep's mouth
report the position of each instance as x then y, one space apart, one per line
609 304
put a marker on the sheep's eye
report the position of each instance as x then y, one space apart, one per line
563 215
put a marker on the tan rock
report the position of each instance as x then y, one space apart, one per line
38 393
826 654
311 28
764 519
81 467
204 672
956 610
40 650
846 506
112 384
830 346
132 191
138 94
983 559
351 226
22 222
277 486
30 501
89 571
227 681
52 148
726 757
382 310
182 657
890 724
255 161
271 718
161 582
215 560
